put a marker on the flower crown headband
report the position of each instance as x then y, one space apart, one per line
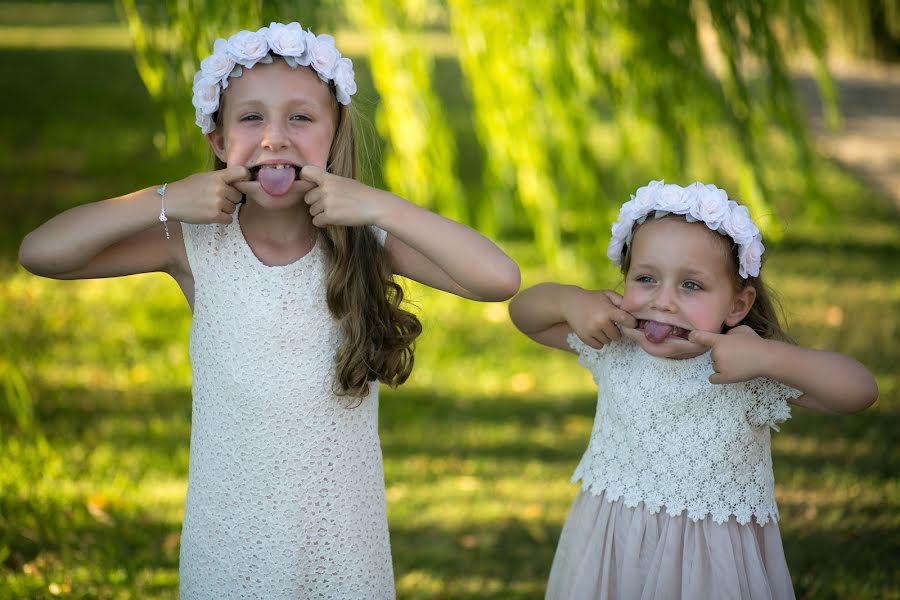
697 202
245 49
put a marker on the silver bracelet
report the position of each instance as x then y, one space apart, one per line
161 190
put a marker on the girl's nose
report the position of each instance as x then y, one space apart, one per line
663 300
275 136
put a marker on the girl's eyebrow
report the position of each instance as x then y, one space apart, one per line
693 271
688 271
643 266
292 103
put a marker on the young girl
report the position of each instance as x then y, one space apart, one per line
677 496
295 317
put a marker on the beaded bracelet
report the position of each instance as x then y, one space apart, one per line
161 190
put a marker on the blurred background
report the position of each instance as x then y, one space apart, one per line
532 121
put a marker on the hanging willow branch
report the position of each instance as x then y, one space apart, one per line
575 103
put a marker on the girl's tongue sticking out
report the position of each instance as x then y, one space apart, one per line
656 332
276 180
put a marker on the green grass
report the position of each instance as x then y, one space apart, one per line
478 446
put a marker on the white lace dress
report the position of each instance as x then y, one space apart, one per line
286 486
677 492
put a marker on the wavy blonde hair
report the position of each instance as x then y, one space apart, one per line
763 317
378 334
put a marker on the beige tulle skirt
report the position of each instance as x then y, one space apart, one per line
607 550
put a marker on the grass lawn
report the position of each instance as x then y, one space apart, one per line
478 446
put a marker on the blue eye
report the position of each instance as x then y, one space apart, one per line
644 279
251 118
692 285
300 118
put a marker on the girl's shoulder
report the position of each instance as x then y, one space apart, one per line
768 401
593 359
200 241
202 245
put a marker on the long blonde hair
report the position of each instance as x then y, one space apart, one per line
763 317
378 335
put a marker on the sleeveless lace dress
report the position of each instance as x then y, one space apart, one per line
677 492
286 487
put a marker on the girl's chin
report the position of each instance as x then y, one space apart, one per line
672 347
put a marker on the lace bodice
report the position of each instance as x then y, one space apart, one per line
286 486
663 435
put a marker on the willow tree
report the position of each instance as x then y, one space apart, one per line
574 103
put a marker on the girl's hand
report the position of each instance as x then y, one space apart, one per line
205 198
594 315
339 200
735 355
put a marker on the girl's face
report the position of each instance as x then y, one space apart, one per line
275 120
680 279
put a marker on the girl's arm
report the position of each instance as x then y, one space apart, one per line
422 245
123 236
548 312
830 382
446 255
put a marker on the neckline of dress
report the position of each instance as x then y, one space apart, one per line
672 363
248 251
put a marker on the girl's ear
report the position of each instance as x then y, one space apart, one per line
217 143
741 305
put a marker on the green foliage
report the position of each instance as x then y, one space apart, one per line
421 158
575 104
866 28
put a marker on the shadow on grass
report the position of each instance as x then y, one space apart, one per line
56 540
510 555
866 435
843 562
512 558
117 419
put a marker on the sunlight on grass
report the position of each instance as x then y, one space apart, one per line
478 446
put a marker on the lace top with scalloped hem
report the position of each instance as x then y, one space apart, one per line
665 436
286 491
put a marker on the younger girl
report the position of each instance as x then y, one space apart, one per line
677 496
296 317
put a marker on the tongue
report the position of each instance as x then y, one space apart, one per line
276 182
657 332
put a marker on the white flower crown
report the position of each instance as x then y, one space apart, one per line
697 202
245 49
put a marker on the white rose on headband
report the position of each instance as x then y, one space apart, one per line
614 252
204 122
206 94
710 205
288 41
323 56
672 198
750 258
248 47
644 198
625 211
739 225
622 228
219 64
344 80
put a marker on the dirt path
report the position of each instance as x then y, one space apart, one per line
868 143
